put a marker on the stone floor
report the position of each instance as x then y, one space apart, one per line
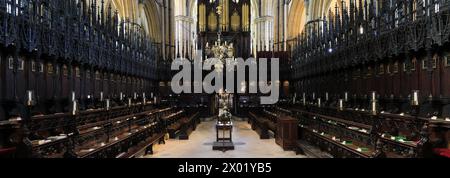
199 145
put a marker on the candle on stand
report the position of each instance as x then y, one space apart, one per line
30 98
314 96
101 96
129 102
327 97
341 104
304 98
73 96
415 98
374 102
144 101
374 107
121 96
319 102
107 105
74 107
135 95
346 96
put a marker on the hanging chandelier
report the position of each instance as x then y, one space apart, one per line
220 50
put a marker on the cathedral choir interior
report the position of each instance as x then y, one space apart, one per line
119 79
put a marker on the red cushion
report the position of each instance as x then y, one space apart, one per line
6 151
442 152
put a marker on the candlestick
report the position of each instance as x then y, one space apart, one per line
319 102
30 97
121 96
144 99
107 105
135 95
374 96
101 96
346 96
314 96
73 96
341 104
129 102
327 97
415 99
374 107
74 107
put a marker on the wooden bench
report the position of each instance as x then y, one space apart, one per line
143 148
331 129
174 129
188 125
259 125
173 122
310 151
89 134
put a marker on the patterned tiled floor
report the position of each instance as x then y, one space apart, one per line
247 145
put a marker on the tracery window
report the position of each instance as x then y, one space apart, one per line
436 6
14 7
45 14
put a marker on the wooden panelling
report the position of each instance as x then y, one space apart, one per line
10 78
445 76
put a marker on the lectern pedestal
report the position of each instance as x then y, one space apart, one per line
224 135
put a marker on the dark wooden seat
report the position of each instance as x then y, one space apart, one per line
188 125
261 126
310 151
173 123
2 113
174 129
332 130
143 148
